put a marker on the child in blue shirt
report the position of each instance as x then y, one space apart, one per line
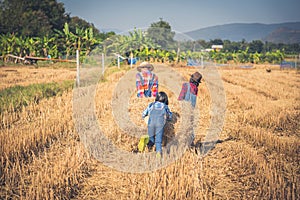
158 113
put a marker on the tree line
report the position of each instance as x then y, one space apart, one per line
42 27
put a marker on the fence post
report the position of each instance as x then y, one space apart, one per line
299 60
77 65
131 57
118 62
102 63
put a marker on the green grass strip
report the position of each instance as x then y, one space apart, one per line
14 98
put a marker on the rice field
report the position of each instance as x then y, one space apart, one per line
257 155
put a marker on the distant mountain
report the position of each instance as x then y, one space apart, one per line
283 32
283 35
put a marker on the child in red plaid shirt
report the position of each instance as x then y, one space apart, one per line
189 91
146 81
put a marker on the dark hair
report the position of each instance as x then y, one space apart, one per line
162 97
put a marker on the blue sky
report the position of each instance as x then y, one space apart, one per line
182 15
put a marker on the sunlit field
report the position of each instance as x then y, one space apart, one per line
257 155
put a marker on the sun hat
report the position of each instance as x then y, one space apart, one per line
196 77
144 65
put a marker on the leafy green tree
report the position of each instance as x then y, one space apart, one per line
256 46
216 42
31 17
84 40
243 45
4 44
19 46
256 58
11 44
76 22
240 57
39 28
293 49
182 57
229 46
31 46
35 23
144 54
11 16
89 40
66 40
113 44
46 46
202 44
136 42
162 35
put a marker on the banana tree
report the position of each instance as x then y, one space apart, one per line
19 46
113 44
135 41
152 55
31 46
274 57
241 56
4 45
160 55
46 46
172 56
256 57
145 54
279 56
89 40
11 44
66 39
182 57
166 55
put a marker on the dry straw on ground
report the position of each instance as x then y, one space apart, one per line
257 156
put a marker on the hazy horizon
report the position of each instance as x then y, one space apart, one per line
183 16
